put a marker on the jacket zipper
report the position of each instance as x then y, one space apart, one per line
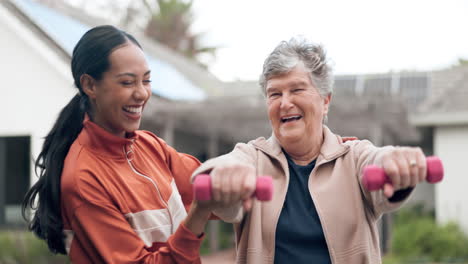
154 184
318 164
278 216
327 241
286 169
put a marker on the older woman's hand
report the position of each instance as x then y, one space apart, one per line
231 184
405 166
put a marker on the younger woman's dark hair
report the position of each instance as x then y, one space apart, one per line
90 56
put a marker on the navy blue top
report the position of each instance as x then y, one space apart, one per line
299 234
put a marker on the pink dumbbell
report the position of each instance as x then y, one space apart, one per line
374 177
202 188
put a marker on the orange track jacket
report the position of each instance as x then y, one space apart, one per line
123 200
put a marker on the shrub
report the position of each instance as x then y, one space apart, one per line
417 237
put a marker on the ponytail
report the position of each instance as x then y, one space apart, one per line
47 220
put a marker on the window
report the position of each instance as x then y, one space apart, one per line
15 167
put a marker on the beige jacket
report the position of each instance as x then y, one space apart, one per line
347 211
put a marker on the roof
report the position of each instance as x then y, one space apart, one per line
448 103
168 81
382 120
244 117
412 87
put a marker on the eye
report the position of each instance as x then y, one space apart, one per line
273 95
297 90
147 81
126 83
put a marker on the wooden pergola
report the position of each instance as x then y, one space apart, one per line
242 118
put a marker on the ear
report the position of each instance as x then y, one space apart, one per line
88 84
326 104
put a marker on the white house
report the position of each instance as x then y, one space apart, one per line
36 85
445 113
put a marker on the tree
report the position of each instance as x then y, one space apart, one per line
462 61
170 24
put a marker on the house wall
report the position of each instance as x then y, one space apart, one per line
451 145
36 83
423 195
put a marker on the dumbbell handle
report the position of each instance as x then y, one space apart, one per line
374 177
202 188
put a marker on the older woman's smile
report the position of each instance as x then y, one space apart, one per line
290 118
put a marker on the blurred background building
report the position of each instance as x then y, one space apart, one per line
198 114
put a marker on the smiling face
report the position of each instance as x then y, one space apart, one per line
118 99
296 109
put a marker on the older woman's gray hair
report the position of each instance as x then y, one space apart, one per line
288 54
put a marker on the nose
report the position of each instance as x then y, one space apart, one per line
141 92
286 101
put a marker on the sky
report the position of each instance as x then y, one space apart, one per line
360 36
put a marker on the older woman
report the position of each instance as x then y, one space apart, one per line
320 211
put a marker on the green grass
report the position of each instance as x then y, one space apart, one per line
22 247
226 238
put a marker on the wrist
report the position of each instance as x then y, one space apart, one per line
197 218
202 211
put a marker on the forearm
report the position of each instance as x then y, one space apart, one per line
197 218
369 154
